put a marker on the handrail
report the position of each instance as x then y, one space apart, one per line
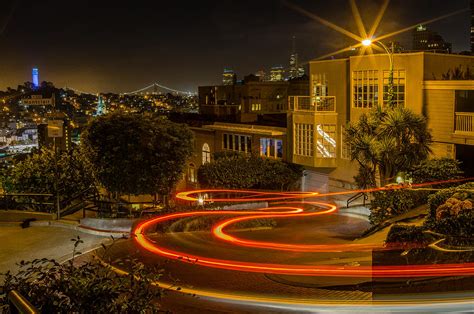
20 304
356 196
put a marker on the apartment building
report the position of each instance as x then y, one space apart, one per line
341 90
245 101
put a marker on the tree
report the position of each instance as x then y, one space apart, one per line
386 142
138 154
249 172
37 174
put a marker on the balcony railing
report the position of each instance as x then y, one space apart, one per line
464 122
314 104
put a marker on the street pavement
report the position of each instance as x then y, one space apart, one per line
17 244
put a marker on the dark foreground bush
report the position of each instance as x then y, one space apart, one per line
401 234
91 288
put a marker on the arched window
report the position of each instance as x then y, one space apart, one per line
206 153
192 173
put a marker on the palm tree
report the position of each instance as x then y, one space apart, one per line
386 142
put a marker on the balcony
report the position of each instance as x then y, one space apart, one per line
464 123
312 104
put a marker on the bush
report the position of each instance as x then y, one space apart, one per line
437 169
254 172
205 223
91 288
461 193
401 234
391 203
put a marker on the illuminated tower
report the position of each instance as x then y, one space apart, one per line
101 109
35 77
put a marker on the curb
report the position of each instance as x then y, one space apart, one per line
77 227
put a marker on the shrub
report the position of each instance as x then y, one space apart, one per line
387 204
91 288
390 203
401 234
249 172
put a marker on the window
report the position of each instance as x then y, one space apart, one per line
398 87
256 107
345 147
272 148
192 173
320 85
303 139
325 141
365 87
206 153
235 142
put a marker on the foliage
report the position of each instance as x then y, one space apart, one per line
437 169
390 203
249 172
458 73
90 288
205 223
451 211
387 141
460 192
37 174
402 234
138 154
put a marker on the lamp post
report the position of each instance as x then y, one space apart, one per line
368 42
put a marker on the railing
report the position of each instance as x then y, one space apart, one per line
19 304
314 104
464 122
357 196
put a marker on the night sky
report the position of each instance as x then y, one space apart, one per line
104 45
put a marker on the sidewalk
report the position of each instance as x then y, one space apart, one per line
18 244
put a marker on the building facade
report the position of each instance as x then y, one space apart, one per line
245 102
265 141
342 90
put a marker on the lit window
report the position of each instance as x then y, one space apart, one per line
325 141
365 88
191 173
320 85
272 148
398 87
235 142
256 107
206 153
303 139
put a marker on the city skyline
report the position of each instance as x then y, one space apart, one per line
110 47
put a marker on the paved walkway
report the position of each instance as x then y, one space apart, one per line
18 244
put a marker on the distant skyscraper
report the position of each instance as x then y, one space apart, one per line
277 74
35 77
293 73
427 40
229 77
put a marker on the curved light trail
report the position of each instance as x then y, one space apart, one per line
289 211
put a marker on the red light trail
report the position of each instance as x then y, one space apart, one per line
290 211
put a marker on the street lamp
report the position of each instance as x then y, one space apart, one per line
367 43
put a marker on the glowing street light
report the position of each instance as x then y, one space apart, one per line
367 42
